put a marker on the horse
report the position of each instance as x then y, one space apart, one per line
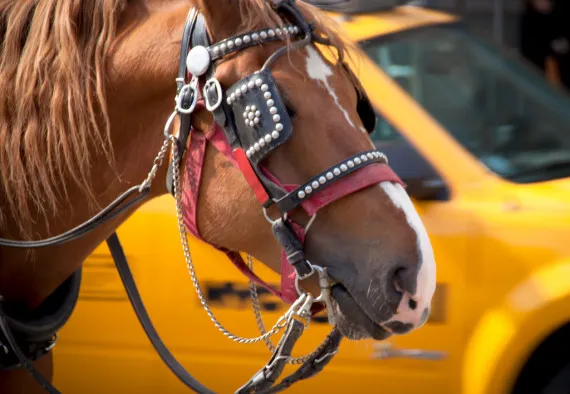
267 137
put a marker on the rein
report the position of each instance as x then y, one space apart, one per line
251 121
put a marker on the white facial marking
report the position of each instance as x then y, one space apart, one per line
319 70
363 130
426 280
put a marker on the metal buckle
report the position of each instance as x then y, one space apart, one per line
53 343
213 82
189 88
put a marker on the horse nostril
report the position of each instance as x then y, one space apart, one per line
405 281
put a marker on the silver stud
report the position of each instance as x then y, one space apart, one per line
273 110
329 175
248 154
271 33
258 113
364 158
258 82
223 47
350 163
233 96
276 118
216 51
263 35
308 190
256 121
264 88
323 180
244 89
267 95
251 123
256 147
250 85
301 194
270 103
230 44
336 171
274 134
370 155
268 138
278 31
296 29
261 142
247 39
229 101
279 127
343 168
245 115
248 108
255 36
315 184
238 93
253 108
251 115
239 41
357 160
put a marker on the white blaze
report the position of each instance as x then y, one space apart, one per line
319 70
426 280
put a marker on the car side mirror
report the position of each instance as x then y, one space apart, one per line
426 189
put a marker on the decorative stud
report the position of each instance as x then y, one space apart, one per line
216 51
261 142
343 168
233 96
279 127
370 155
322 180
271 33
223 47
247 39
263 35
268 138
257 114
308 190
301 194
264 88
255 37
336 171
256 147
357 160
252 115
198 60
364 158
258 82
270 103
256 121
229 101
278 31
273 110
274 134
244 89
230 44
276 118
350 164
250 85
248 154
239 41
267 95
315 184
329 175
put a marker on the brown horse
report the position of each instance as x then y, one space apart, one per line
87 86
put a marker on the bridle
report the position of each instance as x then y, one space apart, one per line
251 121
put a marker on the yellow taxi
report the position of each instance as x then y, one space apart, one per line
482 142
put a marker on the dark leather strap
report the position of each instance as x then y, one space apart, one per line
140 310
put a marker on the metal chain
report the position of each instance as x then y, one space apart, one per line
281 323
259 320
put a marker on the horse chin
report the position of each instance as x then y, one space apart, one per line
351 319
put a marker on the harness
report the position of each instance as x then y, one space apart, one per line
251 121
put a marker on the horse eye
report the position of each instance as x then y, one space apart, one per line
290 111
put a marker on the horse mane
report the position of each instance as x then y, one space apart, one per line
52 110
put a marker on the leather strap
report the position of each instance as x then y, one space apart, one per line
134 297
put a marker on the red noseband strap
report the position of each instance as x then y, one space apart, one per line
363 178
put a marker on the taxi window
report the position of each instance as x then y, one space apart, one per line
500 110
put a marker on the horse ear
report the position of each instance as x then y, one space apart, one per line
223 17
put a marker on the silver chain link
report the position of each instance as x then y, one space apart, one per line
259 320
